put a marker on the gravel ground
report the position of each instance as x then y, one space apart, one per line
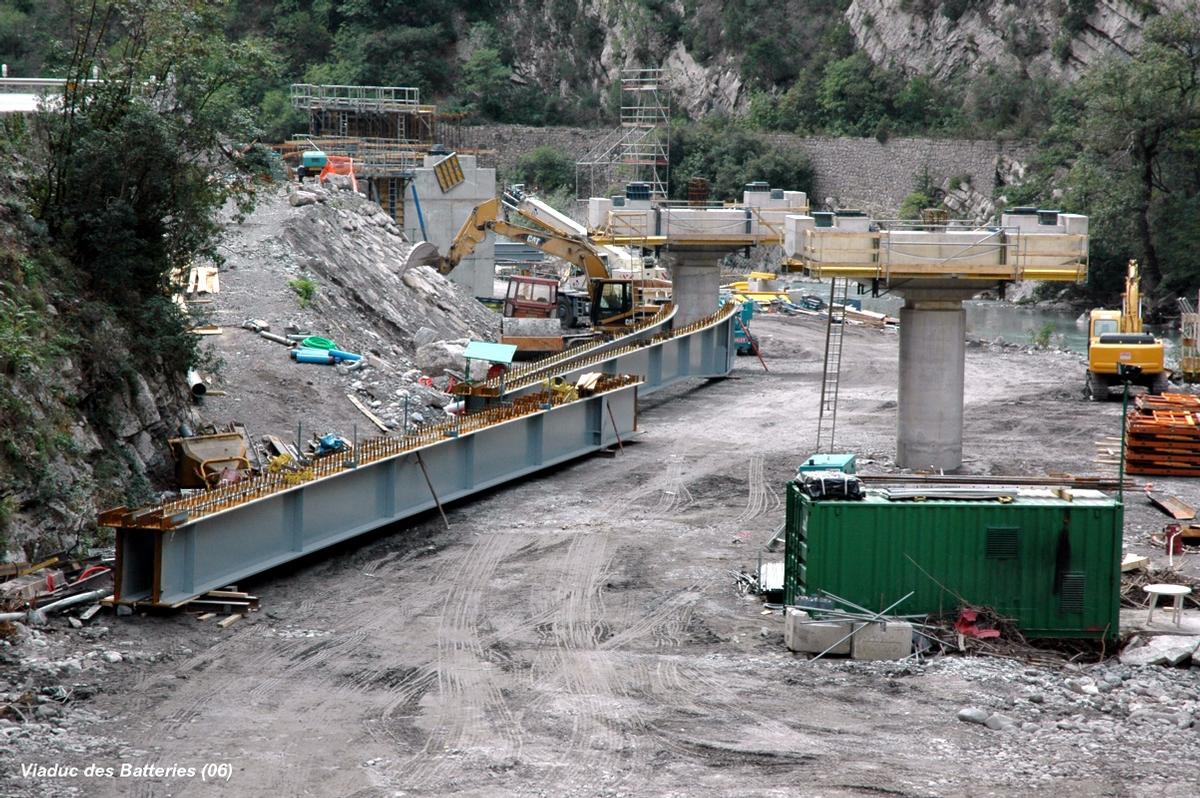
581 633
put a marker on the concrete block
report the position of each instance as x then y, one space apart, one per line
598 210
813 637
891 640
791 617
531 327
853 224
1074 224
795 199
793 232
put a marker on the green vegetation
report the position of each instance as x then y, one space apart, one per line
1123 149
730 156
1041 336
545 170
803 69
913 204
305 288
99 206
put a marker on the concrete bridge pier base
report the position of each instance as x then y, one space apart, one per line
929 424
695 282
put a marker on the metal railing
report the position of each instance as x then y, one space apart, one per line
309 96
890 247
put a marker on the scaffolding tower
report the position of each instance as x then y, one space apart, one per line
640 149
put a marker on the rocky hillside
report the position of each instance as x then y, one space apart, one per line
83 428
406 321
1058 39
719 54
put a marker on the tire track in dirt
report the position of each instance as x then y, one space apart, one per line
467 711
572 662
661 495
260 668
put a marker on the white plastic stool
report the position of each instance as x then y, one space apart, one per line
1178 591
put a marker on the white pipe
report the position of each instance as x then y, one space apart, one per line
196 383
71 601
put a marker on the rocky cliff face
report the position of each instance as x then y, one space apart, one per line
581 46
74 444
1058 39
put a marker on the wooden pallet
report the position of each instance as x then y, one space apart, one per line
227 601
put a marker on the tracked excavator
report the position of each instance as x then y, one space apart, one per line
609 304
1117 338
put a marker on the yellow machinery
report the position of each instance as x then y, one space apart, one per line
1116 338
611 303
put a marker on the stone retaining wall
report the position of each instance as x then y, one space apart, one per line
851 172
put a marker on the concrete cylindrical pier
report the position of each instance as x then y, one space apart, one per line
695 283
932 362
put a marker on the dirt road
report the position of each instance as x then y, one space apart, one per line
580 633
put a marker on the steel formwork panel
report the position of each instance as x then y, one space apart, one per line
170 566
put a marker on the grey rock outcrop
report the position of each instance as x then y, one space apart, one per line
1018 38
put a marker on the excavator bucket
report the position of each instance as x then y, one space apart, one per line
423 254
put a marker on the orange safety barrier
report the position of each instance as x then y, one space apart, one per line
339 165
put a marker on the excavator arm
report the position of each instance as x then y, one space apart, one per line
570 249
486 217
1131 300
472 232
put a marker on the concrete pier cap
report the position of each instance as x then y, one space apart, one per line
695 281
929 421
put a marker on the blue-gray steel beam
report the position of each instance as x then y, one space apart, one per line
167 567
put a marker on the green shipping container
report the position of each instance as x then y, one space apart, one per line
1054 566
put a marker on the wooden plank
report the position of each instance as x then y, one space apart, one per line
374 419
206 329
8 569
1172 506
87 614
206 616
228 594
218 603
225 623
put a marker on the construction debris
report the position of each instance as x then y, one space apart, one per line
55 585
1175 507
203 461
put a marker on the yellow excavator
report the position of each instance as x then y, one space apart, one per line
609 304
1117 342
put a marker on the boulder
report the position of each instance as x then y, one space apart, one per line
298 198
425 335
1162 650
435 357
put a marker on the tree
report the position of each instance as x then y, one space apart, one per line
545 170
136 166
1138 128
852 95
729 157
485 82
